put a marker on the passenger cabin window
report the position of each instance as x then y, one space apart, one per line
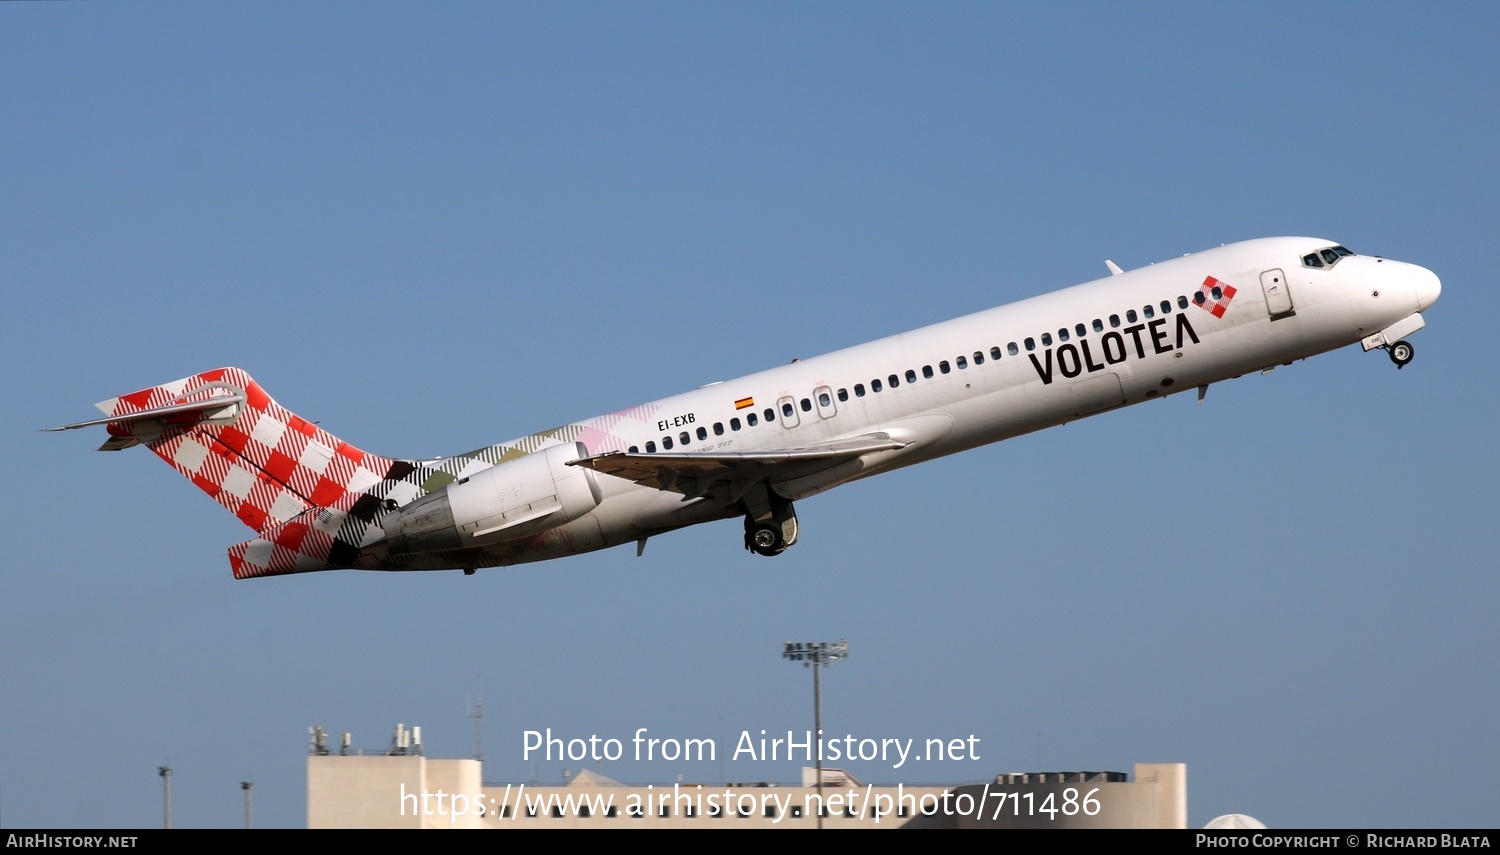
995 352
703 432
1149 312
911 376
1166 307
1012 349
666 443
825 401
1130 316
1030 343
1046 339
1098 325
1114 321
1062 334
788 408
824 396
751 420
734 423
1182 301
1081 330
875 386
961 362
859 390
943 366
927 371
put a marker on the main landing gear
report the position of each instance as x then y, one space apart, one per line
1401 353
770 522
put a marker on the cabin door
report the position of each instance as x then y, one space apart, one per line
1278 296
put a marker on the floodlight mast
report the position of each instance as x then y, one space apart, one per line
166 795
817 655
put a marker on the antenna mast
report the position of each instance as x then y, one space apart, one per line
478 716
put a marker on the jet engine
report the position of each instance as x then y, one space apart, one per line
514 499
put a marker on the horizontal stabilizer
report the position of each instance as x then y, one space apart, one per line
185 413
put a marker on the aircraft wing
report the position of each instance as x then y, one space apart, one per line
695 473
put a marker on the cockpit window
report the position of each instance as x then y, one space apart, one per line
1325 257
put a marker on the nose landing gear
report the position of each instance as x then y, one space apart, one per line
1401 353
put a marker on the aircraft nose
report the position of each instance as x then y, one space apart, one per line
1428 287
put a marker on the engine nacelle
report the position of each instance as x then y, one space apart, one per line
515 499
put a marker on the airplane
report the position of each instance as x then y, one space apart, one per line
754 446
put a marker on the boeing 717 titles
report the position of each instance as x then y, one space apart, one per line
752 447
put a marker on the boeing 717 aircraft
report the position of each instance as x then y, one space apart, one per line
754 446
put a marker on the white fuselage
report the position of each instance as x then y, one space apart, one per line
992 375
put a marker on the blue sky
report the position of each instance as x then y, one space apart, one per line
433 228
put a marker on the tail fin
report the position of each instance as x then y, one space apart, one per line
262 462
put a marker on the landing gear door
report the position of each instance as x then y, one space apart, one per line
1278 295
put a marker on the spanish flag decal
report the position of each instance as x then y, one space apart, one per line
744 403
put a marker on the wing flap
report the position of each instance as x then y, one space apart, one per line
694 473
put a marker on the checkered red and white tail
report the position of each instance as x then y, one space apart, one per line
265 464
259 460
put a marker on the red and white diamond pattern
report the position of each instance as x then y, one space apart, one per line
1215 306
265 466
299 546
